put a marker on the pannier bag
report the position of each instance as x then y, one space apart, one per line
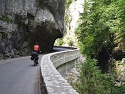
32 58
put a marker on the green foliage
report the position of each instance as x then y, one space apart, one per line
99 25
70 43
59 42
67 3
92 81
101 28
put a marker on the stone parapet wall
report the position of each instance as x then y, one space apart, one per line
51 63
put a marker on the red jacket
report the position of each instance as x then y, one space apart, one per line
36 47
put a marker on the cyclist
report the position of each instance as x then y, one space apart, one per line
36 50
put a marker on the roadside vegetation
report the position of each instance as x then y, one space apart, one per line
101 39
92 81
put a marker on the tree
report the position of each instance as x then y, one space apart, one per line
100 24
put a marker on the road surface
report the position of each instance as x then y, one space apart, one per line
19 76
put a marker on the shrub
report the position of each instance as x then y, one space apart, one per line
59 42
70 43
92 81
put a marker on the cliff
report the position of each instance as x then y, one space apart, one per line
23 22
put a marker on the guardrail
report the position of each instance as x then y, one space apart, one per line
51 64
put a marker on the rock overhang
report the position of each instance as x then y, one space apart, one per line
24 22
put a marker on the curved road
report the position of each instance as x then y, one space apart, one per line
19 76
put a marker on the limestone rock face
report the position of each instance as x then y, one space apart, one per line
23 22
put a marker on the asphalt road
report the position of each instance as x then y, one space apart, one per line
19 76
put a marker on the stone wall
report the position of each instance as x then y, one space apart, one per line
54 81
